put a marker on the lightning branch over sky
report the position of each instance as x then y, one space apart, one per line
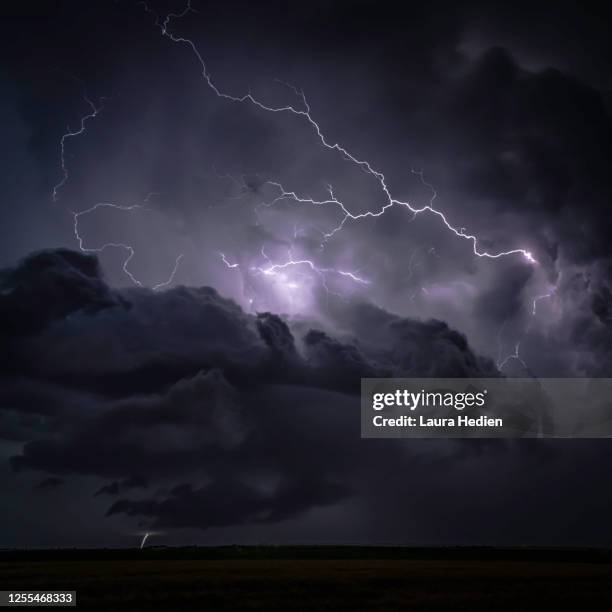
515 354
277 270
545 296
120 245
94 112
305 113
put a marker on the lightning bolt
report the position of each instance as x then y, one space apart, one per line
120 245
515 355
276 269
224 259
301 111
273 269
170 280
94 112
501 363
304 112
546 296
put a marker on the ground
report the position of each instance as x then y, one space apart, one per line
260 580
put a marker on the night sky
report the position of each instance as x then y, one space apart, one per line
272 201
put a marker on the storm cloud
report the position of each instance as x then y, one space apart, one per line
227 401
198 415
184 384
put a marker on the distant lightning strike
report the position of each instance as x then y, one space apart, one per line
145 537
305 113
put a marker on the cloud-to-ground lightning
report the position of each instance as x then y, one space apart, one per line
304 112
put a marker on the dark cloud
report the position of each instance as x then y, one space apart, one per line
50 483
62 280
269 434
225 503
132 482
218 425
200 392
110 489
504 298
517 150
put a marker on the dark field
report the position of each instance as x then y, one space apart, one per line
246 579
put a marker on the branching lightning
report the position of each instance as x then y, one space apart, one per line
119 245
515 355
304 112
271 269
95 110
275 268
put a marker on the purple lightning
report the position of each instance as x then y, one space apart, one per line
303 112
276 270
